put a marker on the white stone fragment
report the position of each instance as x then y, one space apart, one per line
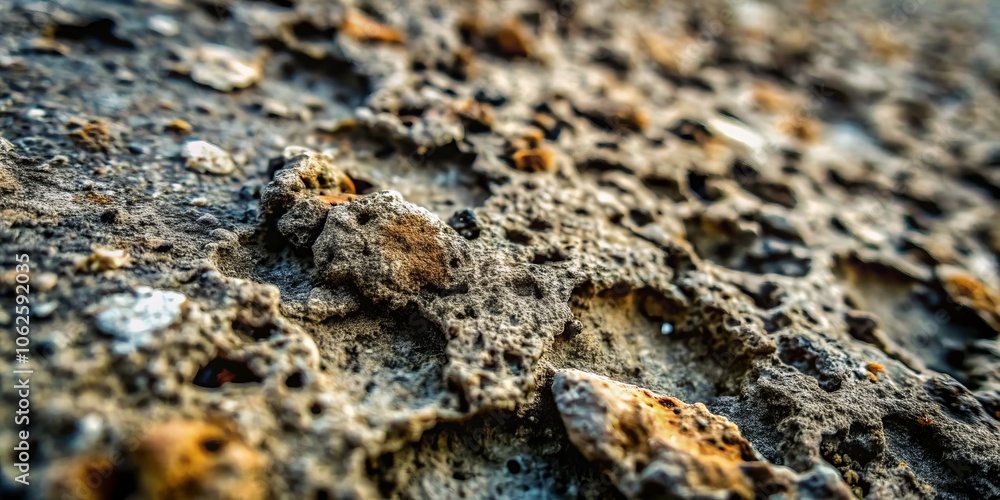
164 25
207 158
223 68
756 17
746 142
133 318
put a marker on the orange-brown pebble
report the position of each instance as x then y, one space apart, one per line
544 122
196 459
631 118
530 139
534 137
464 65
180 126
475 114
513 39
618 117
672 55
872 377
769 97
800 127
365 29
875 367
540 159
925 421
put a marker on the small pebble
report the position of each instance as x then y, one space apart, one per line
207 158
466 224
46 281
59 161
123 75
222 68
180 126
739 136
44 310
208 220
164 25
666 329
362 28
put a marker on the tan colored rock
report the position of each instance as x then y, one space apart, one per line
534 159
513 39
681 56
104 259
223 68
194 459
654 445
207 158
179 125
365 29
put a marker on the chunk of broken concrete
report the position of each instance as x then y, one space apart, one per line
388 247
302 193
657 446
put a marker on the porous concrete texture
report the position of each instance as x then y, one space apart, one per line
528 249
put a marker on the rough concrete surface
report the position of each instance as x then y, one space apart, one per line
529 249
